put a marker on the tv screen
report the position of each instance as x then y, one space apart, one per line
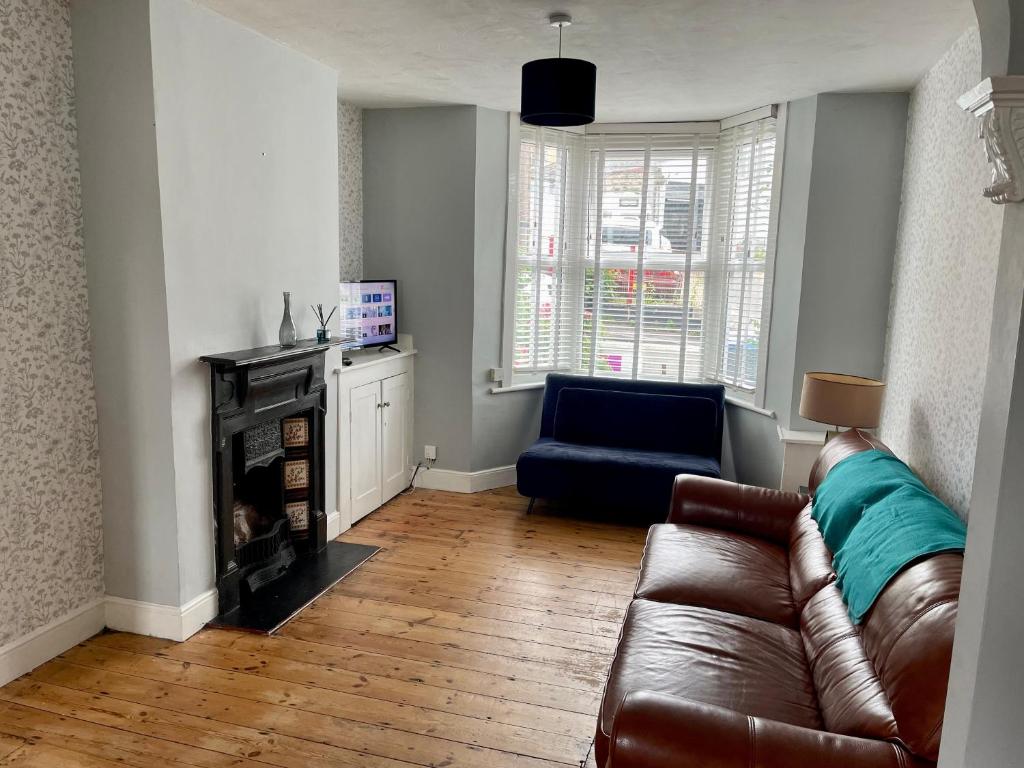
369 316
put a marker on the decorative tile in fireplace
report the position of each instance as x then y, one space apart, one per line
298 516
296 474
296 432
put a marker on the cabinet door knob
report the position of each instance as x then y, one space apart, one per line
387 405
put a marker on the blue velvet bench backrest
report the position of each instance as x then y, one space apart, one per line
637 421
711 445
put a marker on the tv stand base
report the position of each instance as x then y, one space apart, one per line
388 346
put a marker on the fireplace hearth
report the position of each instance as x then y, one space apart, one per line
268 410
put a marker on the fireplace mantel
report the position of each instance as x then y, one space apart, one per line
249 388
270 354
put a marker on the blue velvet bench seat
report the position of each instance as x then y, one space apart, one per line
620 444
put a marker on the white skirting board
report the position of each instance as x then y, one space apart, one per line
37 647
466 482
167 621
333 525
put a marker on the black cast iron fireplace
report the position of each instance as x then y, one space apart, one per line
268 410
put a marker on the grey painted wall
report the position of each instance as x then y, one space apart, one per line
127 297
193 229
852 215
248 155
503 425
419 175
789 256
838 213
751 451
435 186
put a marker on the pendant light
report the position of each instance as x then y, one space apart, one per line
558 92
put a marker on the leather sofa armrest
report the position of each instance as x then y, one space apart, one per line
761 512
655 730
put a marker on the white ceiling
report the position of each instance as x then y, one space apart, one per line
656 59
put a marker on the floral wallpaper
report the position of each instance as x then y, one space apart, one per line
943 283
350 190
51 555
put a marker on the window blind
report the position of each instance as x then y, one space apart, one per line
549 244
642 255
739 279
645 262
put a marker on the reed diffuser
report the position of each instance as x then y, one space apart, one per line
323 333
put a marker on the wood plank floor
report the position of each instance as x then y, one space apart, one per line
478 637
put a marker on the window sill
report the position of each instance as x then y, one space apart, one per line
729 399
500 390
747 405
799 437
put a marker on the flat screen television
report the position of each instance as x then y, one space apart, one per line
369 313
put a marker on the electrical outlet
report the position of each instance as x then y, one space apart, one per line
430 452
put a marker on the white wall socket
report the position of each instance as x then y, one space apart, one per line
430 452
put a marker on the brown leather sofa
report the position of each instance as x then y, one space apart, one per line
737 650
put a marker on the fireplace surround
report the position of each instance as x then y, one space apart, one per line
268 410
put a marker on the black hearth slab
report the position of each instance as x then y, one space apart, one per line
244 357
305 581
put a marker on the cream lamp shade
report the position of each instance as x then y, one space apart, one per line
841 399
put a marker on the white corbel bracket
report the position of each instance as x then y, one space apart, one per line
999 103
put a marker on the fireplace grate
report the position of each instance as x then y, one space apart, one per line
262 444
266 557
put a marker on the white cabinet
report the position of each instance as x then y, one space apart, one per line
374 432
365 455
394 427
379 444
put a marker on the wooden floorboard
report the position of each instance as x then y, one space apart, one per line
479 637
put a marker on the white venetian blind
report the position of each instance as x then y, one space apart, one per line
739 280
642 256
646 260
548 251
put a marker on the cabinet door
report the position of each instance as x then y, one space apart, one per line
394 433
364 451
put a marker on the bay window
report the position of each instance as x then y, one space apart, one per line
641 255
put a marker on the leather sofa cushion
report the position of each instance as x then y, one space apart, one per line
810 562
707 567
609 476
637 420
747 665
848 443
654 730
850 694
908 636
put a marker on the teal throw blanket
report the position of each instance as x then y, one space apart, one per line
905 526
880 518
853 485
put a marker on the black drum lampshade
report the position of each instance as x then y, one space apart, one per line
558 92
